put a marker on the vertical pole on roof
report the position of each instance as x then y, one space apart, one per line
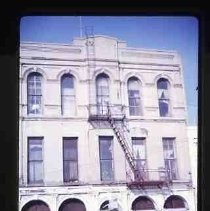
80 26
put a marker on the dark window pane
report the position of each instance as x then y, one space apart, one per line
163 107
70 171
174 202
105 149
142 203
36 205
105 206
70 154
163 96
35 160
70 157
72 205
67 82
162 83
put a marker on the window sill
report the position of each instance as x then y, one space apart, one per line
72 183
35 184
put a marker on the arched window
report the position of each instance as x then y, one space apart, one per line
142 203
110 205
102 93
67 95
72 205
174 202
163 97
34 93
105 206
36 205
134 99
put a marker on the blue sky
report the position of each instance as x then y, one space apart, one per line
179 33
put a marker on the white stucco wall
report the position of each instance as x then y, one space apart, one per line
53 60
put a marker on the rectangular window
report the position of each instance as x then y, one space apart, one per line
70 159
139 150
170 157
106 158
35 160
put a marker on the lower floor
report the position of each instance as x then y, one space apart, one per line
98 198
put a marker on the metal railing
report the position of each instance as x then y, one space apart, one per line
160 174
99 109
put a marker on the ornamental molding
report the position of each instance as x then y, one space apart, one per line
178 86
51 49
147 55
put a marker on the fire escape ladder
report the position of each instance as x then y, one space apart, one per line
120 134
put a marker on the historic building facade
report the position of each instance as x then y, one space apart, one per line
102 127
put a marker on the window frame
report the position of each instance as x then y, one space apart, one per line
140 160
111 160
71 97
34 182
34 89
173 173
102 107
137 108
164 101
70 160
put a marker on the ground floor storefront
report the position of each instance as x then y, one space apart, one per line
112 198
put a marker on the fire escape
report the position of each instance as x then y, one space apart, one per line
141 175
113 116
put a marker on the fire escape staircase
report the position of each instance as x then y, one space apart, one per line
139 181
120 134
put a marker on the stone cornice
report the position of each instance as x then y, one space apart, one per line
79 119
120 62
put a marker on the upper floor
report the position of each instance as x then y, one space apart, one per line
76 81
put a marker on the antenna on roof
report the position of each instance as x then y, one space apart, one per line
80 26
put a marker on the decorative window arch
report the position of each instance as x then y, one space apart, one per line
173 202
35 205
34 93
105 206
134 99
72 204
102 93
110 205
142 203
68 95
163 97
